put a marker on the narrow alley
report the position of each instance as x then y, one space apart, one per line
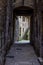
21 32
21 54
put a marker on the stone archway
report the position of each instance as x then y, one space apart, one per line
24 11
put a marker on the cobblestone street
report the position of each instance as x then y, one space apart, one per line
21 55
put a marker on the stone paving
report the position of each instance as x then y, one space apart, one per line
21 55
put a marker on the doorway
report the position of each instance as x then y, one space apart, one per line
22 29
22 25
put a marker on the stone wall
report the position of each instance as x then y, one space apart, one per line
5 28
38 29
16 30
2 29
28 3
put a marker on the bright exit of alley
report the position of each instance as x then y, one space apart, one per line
22 31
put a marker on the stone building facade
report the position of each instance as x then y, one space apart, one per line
8 10
24 24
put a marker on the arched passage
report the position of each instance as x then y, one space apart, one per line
23 54
23 11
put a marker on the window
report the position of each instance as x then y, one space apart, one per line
23 18
23 29
20 16
20 31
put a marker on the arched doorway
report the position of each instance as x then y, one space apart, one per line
23 12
